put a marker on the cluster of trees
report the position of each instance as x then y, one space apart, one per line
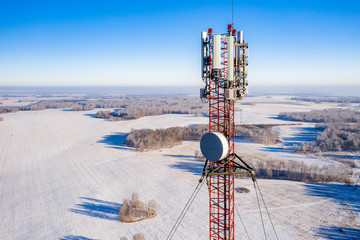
148 139
338 99
103 114
334 137
9 109
134 107
137 107
134 209
107 115
340 129
52 104
258 133
83 107
138 236
299 171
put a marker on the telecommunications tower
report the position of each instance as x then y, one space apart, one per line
224 71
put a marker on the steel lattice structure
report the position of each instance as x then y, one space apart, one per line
221 91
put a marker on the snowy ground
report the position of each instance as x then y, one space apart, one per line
64 174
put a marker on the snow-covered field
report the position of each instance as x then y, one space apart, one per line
64 175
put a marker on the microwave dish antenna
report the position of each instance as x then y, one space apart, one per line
214 146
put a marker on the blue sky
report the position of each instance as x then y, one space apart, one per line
156 43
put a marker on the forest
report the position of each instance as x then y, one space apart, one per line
260 133
340 129
298 171
126 107
149 139
152 106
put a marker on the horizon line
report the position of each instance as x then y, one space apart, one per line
175 86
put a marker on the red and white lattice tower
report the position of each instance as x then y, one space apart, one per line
224 72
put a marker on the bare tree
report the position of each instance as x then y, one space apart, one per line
135 210
139 236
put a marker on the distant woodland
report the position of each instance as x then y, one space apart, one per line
333 115
149 139
76 105
127 107
336 99
151 106
340 129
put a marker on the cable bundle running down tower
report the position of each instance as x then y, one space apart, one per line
224 72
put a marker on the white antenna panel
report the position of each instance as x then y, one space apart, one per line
230 58
217 51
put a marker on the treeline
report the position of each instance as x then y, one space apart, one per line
107 115
333 115
8 109
340 129
299 171
334 137
76 105
152 106
339 99
127 107
258 133
149 139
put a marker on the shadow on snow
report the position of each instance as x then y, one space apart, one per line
72 237
115 140
98 208
187 157
190 164
276 149
340 233
306 134
346 195
92 115
348 199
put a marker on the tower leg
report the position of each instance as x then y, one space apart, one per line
221 190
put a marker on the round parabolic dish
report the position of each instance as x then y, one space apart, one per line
214 146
